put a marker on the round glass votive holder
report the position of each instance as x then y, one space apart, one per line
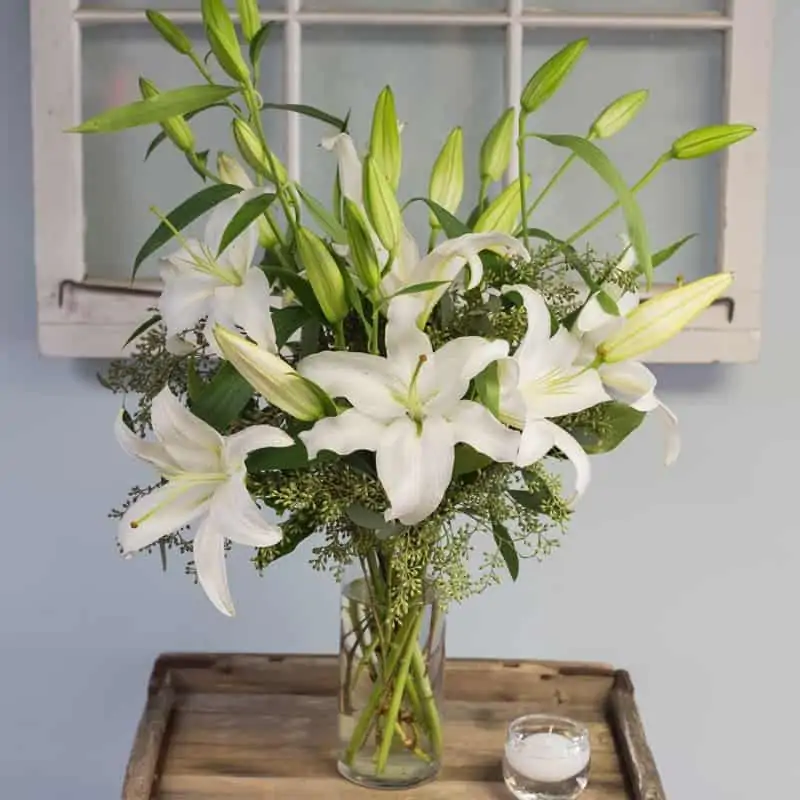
546 758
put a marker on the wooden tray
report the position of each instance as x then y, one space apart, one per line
263 727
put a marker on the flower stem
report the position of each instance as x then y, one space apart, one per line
428 701
553 181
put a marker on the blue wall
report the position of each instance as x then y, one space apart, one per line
687 577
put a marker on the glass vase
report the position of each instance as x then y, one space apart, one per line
391 670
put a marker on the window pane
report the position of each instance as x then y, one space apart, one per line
632 6
119 188
684 72
404 5
441 78
173 5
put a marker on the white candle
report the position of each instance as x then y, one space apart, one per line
547 757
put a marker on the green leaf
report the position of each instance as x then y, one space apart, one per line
505 544
324 218
595 158
257 44
161 137
309 337
194 383
310 111
531 500
426 286
243 218
666 254
271 458
370 520
488 386
452 226
287 322
300 286
145 326
156 109
202 158
186 213
468 460
607 303
223 398
619 422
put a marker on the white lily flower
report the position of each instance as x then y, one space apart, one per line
227 289
541 381
409 409
205 477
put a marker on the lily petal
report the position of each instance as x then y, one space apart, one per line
343 434
237 514
631 382
405 342
670 421
475 425
239 445
537 441
349 165
415 467
564 392
367 381
538 332
185 299
512 403
246 307
163 511
209 561
152 452
569 446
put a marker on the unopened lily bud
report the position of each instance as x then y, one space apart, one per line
362 249
614 117
255 155
381 205
323 274
249 18
659 319
447 177
224 43
273 378
176 128
548 78
705 141
496 148
503 213
232 172
384 143
170 32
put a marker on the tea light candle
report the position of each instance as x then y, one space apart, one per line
547 757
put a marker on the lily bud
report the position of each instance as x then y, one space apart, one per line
273 378
548 78
362 249
170 32
176 128
496 148
249 18
503 212
231 171
324 275
224 43
662 317
255 155
384 143
705 141
614 117
381 205
447 177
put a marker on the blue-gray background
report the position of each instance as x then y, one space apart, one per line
687 577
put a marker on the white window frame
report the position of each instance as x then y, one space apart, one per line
93 318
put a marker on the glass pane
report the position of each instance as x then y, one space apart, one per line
404 5
119 188
173 5
441 78
632 6
684 73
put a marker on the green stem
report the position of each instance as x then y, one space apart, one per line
201 67
432 238
201 168
428 700
521 159
482 194
339 339
640 184
553 181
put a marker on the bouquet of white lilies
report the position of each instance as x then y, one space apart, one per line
392 400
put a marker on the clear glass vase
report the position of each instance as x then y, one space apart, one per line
391 670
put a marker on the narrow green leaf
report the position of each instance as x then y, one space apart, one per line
156 109
271 458
257 44
309 337
368 519
508 550
619 422
595 158
243 218
666 254
426 286
531 500
468 460
324 218
161 137
310 111
452 226
488 386
186 213
607 303
194 383
145 326
223 398
300 286
288 321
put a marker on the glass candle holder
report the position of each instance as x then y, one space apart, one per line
546 758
